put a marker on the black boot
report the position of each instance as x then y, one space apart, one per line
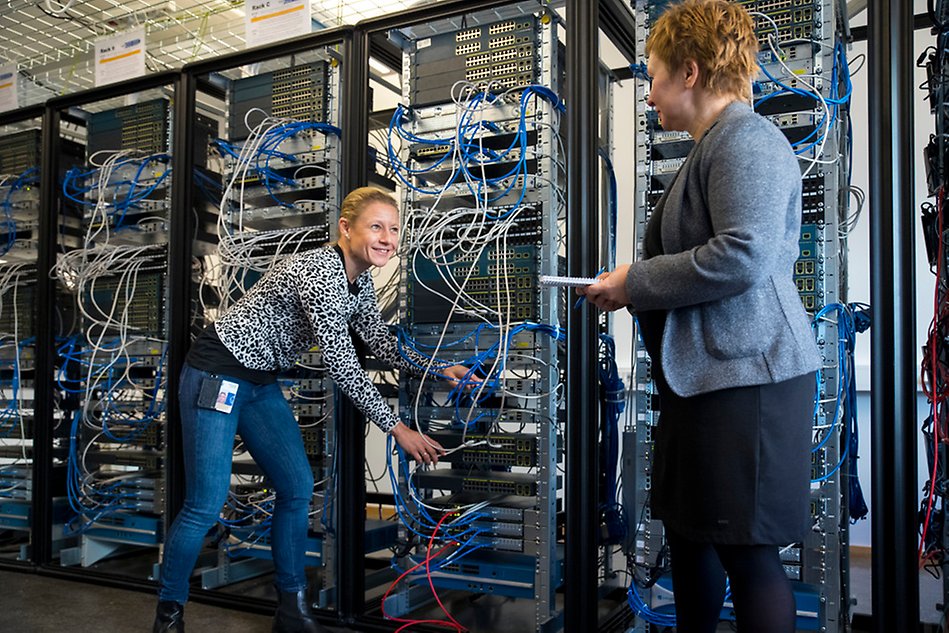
293 614
169 618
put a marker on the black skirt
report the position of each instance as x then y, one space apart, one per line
732 466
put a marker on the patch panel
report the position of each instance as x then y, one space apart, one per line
669 166
503 41
497 450
466 49
766 6
445 60
430 150
477 74
469 34
485 482
502 55
481 59
505 27
506 83
19 152
504 69
299 92
142 126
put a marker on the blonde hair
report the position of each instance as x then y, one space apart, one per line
357 200
718 34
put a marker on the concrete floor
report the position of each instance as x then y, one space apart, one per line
30 603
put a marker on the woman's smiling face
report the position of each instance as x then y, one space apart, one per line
373 236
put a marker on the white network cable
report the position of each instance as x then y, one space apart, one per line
459 237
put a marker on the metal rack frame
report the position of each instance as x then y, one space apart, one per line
55 111
583 22
41 455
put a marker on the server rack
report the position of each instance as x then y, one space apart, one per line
20 164
65 121
933 510
801 51
111 269
474 249
583 256
465 290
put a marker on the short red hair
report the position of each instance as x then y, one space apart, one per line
719 35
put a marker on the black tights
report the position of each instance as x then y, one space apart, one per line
761 591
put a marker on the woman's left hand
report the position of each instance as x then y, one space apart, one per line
609 291
456 373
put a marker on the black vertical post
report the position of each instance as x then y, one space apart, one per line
180 237
350 439
892 292
42 522
580 611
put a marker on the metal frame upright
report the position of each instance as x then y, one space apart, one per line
892 289
57 110
40 508
584 22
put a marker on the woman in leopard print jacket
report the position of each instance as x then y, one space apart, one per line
228 387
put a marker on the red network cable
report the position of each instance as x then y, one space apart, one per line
429 557
936 393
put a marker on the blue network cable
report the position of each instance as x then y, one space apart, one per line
466 145
611 175
613 397
11 413
416 518
128 194
492 356
641 609
840 72
25 180
95 504
851 320
260 162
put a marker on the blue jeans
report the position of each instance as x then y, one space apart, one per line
270 432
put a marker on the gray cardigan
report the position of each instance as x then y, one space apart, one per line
730 233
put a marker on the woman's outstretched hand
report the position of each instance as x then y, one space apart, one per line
456 373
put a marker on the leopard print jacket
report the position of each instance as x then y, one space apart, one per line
305 301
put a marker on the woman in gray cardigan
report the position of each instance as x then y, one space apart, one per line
733 354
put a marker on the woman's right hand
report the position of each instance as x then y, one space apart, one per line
609 291
420 447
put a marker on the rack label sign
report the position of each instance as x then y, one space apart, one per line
8 87
267 21
120 57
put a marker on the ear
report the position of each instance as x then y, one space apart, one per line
343 226
691 69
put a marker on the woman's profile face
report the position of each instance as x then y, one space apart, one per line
668 95
373 236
